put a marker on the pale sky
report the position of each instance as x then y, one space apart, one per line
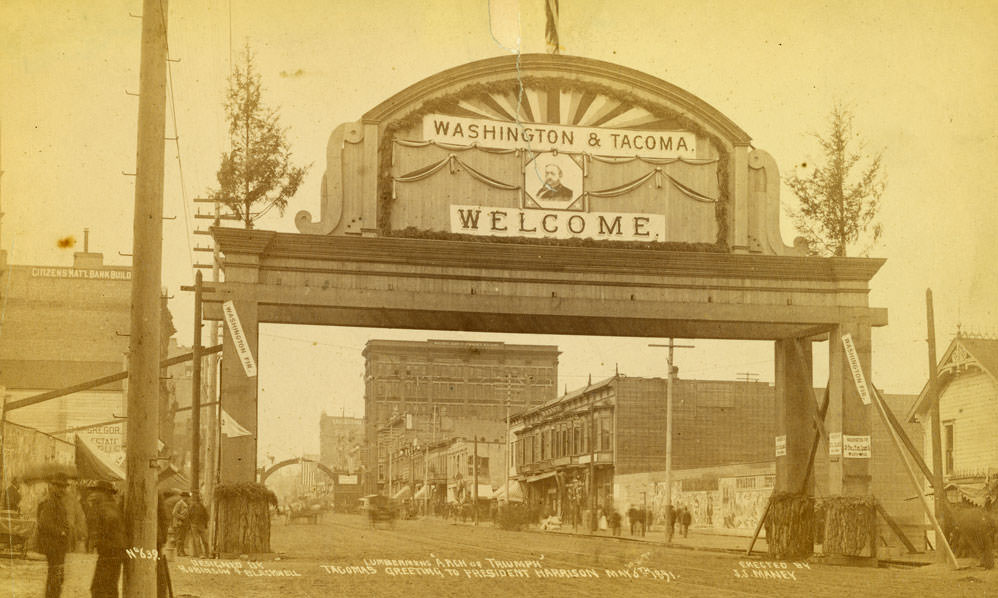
921 78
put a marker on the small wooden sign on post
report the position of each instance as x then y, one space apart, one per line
239 338
857 371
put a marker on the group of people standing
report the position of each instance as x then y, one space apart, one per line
178 514
188 519
106 531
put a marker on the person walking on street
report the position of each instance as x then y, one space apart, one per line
182 522
632 517
54 534
615 522
685 519
109 538
670 522
199 528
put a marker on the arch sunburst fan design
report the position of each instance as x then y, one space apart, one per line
570 107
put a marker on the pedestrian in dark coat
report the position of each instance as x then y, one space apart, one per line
163 519
199 528
632 517
12 497
685 519
54 534
109 539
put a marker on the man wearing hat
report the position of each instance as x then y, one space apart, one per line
182 522
54 534
109 535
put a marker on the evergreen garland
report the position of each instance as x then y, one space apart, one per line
251 491
483 89
850 524
790 526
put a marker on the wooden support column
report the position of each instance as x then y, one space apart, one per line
794 415
846 412
239 399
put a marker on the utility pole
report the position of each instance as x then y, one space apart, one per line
199 289
509 460
475 494
145 325
212 430
937 452
668 436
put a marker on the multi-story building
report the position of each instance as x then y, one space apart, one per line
595 447
64 325
340 439
445 389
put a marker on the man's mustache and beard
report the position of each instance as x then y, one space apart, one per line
551 180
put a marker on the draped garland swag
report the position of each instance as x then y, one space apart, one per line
387 183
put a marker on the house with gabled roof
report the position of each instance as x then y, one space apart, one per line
968 413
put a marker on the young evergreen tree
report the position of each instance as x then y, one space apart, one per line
839 199
256 174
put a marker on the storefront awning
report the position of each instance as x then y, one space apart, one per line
541 476
94 464
403 494
423 493
515 492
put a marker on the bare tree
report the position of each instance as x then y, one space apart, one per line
837 205
256 174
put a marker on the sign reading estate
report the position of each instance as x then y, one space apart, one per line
555 224
457 130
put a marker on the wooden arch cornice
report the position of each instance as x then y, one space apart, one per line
572 69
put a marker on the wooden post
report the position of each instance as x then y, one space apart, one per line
145 325
475 494
937 451
895 527
941 537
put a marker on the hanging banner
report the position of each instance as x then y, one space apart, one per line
857 369
239 338
781 446
835 443
855 447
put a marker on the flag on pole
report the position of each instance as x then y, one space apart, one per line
551 30
231 428
307 474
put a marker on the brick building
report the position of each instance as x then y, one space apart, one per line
445 389
340 439
591 447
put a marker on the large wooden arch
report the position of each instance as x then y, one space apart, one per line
347 269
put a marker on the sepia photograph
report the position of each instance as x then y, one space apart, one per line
498 298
